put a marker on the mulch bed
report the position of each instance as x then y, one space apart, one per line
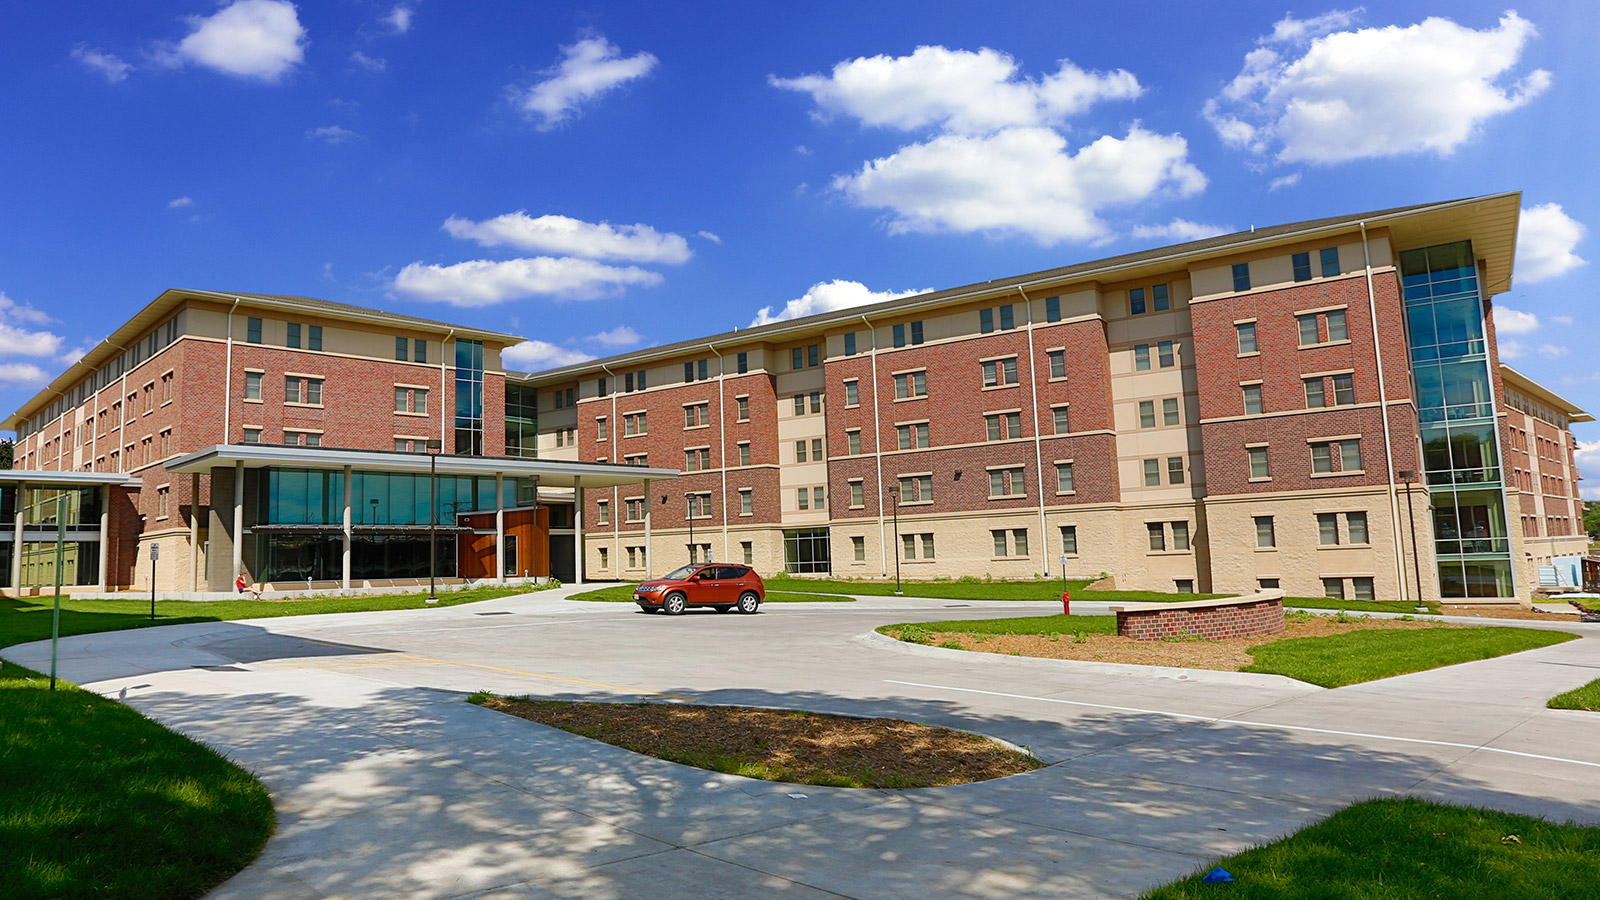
1229 655
782 745
1508 612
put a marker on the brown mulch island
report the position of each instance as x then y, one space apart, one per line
1229 655
782 745
1508 612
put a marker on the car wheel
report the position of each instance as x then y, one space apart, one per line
749 601
675 604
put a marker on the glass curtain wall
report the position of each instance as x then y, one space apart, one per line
80 558
806 551
522 420
1456 412
469 397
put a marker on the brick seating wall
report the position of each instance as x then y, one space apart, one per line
1244 619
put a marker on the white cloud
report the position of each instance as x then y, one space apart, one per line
1562 320
22 373
1179 230
180 202
1284 181
1512 349
1514 321
103 63
533 356
22 342
399 18
1587 455
260 39
333 134
620 336
964 91
589 68
365 63
709 236
1553 351
565 235
1373 92
483 282
22 312
1545 242
826 296
1021 181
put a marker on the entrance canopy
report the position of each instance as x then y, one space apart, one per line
549 472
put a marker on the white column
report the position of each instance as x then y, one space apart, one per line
16 543
346 532
499 528
194 532
647 504
577 534
238 520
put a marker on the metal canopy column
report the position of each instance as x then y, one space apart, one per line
577 533
238 521
648 574
194 532
499 528
16 541
345 583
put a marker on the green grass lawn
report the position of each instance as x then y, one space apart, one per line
1355 605
623 593
98 801
1024 625
1586 697
1399 849
1369 655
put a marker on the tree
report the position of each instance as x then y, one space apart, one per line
1591 518
5 454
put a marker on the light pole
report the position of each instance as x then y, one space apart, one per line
688 502
897 543
433 513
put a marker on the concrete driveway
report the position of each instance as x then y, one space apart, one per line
388 785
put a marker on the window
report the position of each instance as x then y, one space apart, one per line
163 499
402 348
603 515
911 436
986 318
1069 540
699 506
293 336
908 333
1349 456
818 495
1064 478
746 502
634 509
419 345
252 330
910 384
1259 469
1302 266
252 385
697 415
743 408
1052 309
916 488
1000 372
1247 337
1267 584
803 498
1003 426
749 548
1169 411
1136 305
910 542
850 344
1058 363
1180 535
797 358
1328 529
1344 390
1241 276
1315 396
1330 262
605 557
414 400
858 548
1333 588
858 493
697 458
816 401
600 430
1338 330
1062 425
1363 587
1007 483
1152 473
314 338
852 393
744 453
1147 414
1166 357
1252 399
1308 330
1355 524
1183 585
1322 457
1157 534
1017 538
1266 536
799 451
602 387
303 390
1141 357
1174 470
813 355
853 441
252 435
744 363
634 424
1159 300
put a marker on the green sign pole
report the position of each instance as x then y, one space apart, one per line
55 615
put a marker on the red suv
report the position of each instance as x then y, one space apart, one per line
717 585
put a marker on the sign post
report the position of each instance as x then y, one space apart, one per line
155 554
55 614
1066 597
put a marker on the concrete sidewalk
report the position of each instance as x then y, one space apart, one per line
387 784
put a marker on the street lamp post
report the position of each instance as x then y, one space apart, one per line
896 496
688 502
433 514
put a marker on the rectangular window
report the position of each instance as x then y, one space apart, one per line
1069 540
1330 261
1363 588
251 436
605 557
910 384
853 441
899 335
1058 363
402 399
916 488
746 502
852 393
813 355
402 349
744 363
1356 524
627 382
816 401
1141 357
1174 470
1147 414
1180 535
1159 300
1169 411
1136 306
314 339
252 385
421 348
1000 372
603 513
1052 309
1241 276
1302 266
1157 535
799 404
696 415
916 338
909 543
1266 536
816 449
635 510
985 320
1316 398
1258 463
1322 457
1062 424
858 548
1338 329
1308 330
1344 390
1152 473
1247 337
1328 529
743 405
1252 399
1003 426
998 535
252 330
912 436
857 494
1008 319
744 453
749 548
1064 478
1333 588
850 344
818 498
1165 355
797 359
1349 456
600 428
1006 483
293 336
803 498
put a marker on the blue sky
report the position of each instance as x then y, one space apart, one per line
612 175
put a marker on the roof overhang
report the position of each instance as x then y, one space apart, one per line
33 476
554 473
1512 378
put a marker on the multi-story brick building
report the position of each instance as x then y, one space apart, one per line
294 440
1315 406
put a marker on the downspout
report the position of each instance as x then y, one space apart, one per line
1038 449
877 452
227 384
722 447
1383 405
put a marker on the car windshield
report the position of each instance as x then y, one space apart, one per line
680 574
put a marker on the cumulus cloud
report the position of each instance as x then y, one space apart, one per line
826 296
1514 321
575 237
588 68
1512 349
1284 181
1311 92
533 356
333 134
22 312
709 236
22 373
1587 454
107 65
16 341
1021 181
259 39
180 202
1545 243
1179 230
483 282
620 336
1553 351
399 18
365 63
964 91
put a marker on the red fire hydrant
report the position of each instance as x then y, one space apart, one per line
1066 602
